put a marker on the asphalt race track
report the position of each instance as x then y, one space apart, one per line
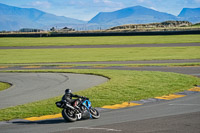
180 115
157 117
30 87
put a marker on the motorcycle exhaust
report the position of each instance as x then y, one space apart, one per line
70 106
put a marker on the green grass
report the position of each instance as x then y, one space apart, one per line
95 54
122 86
191 64
196 25
108 40
4 86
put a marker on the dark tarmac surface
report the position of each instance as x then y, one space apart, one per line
125 62
175 116
184 123
192 70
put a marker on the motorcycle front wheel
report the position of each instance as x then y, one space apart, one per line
95 113
69 115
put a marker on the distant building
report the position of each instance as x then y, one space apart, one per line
65 29
30 30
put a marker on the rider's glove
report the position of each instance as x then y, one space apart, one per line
85 98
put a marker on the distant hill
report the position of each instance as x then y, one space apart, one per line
163 26
15 18
190 14
131 15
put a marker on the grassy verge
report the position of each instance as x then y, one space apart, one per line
4 86
109 40
95 54
122 86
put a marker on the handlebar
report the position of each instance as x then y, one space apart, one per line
85 98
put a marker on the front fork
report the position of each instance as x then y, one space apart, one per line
78 112
79 116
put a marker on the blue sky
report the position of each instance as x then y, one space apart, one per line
86 9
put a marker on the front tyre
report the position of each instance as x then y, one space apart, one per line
95 113
69 115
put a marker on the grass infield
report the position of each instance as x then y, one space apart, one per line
4 86
96 54
106 40
123 86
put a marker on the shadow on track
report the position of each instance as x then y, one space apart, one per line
53 121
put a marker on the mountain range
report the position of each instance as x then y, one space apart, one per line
15 18
131 15
190 14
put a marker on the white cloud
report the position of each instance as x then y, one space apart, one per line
107 1
141 1
198 1
41 4
153 8
102 1
96 1
108 5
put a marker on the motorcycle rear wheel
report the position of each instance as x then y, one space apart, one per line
95 113
69 115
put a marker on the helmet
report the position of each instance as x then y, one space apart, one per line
68 91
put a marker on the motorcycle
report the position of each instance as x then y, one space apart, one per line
82 109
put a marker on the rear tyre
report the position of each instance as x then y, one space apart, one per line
95 113
69 115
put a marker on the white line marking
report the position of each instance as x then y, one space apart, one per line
186 104
90 128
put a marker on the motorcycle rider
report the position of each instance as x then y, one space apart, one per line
74 102
76 109
68 96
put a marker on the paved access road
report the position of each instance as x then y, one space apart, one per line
30 87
